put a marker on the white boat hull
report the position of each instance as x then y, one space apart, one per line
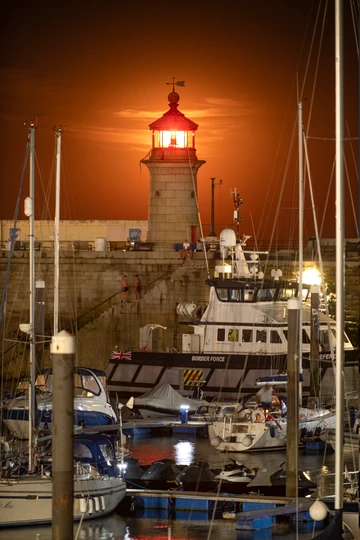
242 436
28 500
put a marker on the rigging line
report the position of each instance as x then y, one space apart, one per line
317 66
12 240
354 21
310 51
327 197
332 138
319 252
350 194
287 165
357 174
254 234
198 213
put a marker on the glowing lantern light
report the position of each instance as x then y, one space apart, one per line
173 130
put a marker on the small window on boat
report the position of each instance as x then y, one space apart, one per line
266 295
324 339
222 294
233 335
235 295
285 334
249 295
346 339
284 294
247 336
221 334
260 336
305 337
305 294
275 336
82 451
85 385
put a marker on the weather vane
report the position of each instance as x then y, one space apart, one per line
177 83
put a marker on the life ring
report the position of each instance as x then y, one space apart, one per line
246 415
258 416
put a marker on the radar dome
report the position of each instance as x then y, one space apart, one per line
227 238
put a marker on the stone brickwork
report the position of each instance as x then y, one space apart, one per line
90 296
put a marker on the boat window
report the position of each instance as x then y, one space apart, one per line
305 336
305 294
247 336
228 410
44 382
221 334
324 339
260 336
275 336
346 339
222 294
249 295
285 334
235 295
82 451
107 451
233 335
266 295
284 294
85 385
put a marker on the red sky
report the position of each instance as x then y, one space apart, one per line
100 68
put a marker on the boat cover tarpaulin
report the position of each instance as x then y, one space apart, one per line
164 398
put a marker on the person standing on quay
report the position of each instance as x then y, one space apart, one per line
137 288
124 288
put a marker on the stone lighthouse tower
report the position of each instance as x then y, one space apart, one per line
173 167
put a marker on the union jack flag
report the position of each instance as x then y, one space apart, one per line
120 355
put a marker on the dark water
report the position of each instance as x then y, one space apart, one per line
154 524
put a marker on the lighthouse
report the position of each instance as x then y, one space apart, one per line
173 167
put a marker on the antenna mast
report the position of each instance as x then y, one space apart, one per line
237 200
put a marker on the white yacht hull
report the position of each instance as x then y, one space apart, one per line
28 500
233 435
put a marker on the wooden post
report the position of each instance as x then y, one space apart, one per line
292 424
314 342
39 324
63 352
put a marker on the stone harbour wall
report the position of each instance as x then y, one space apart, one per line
91 307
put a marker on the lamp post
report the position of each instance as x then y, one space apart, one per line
212 228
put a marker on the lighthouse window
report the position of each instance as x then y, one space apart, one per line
275 337
221 334
222 294
247 336
233 335
260 336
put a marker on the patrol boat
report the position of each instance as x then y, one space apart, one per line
241 336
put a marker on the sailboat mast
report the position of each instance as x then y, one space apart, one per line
301 234
340 257
30 212
58 135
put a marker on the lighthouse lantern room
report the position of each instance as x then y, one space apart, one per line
173 166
